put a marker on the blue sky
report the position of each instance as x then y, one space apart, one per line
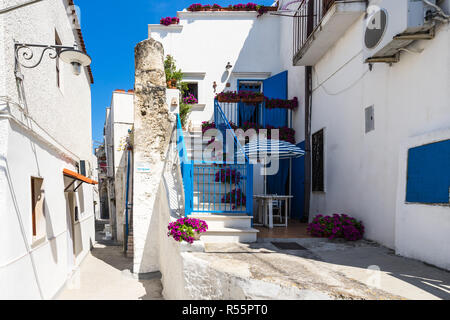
111 29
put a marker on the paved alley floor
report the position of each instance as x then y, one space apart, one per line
337 269
105 275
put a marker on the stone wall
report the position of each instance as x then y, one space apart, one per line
153 127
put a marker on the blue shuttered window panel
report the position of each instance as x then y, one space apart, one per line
428 179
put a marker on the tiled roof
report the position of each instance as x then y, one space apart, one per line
82 44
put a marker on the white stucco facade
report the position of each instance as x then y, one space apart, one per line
257 48
365 173
47 131
121 121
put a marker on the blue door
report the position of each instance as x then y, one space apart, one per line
248 112
276 88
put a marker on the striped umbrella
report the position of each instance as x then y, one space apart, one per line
273 149
277 149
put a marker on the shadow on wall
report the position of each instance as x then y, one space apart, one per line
6 171
50 232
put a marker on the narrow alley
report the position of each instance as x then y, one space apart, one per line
105 275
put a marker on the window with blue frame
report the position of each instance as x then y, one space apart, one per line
428 179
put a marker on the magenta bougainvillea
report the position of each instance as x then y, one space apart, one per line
336 226
284 134
206 125
190 99
184 229
228 175
167 21
233 96
281 103
250 6
235 197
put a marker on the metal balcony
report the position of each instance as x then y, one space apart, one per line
318 24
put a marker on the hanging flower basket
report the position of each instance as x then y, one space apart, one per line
187 229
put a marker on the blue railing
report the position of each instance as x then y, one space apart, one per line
223 188
215 186
187 171
255 113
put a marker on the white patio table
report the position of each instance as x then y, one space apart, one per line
265 203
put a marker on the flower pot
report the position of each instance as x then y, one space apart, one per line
230 100
197 236
253 100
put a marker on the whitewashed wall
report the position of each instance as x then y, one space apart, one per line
205 42
68 109
57 138
410 98
122 119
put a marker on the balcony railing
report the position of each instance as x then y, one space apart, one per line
307 18
318 24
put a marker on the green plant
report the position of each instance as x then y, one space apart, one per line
185 109
174 76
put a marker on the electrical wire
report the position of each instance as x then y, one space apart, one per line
321 84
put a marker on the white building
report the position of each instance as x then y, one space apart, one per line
46 196
372 116
118 125
364 119
256 47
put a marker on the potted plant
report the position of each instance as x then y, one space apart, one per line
251 97
336 226
195 7
236 197
228 96
187 229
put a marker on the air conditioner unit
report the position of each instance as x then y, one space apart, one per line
391 25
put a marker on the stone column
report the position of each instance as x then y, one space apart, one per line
153 126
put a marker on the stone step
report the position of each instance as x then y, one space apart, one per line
219 206
230 235
220 221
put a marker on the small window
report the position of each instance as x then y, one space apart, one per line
192 89
58 73
317 162
38 210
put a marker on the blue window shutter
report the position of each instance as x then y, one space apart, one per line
428 178
276 87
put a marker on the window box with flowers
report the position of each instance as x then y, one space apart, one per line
248 97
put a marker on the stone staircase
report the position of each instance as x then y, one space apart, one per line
222 227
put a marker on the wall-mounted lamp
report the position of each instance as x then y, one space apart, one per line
70 55
228 66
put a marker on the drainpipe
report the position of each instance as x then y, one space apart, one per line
126 201
308 162
308 104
